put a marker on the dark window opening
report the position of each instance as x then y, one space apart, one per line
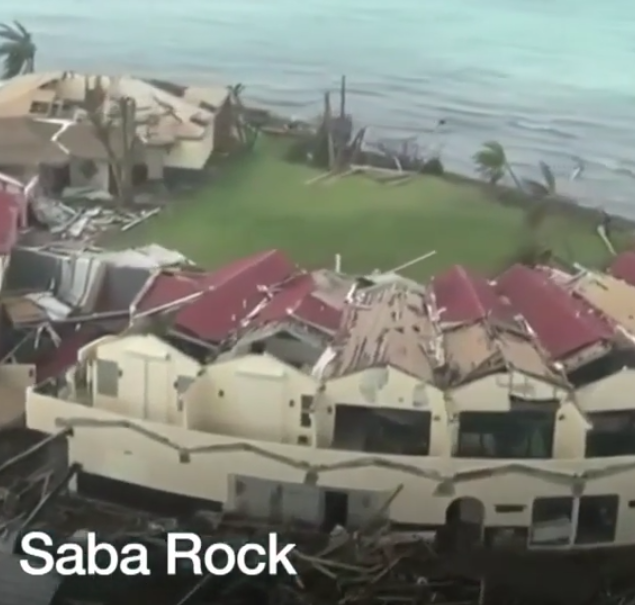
612 434
335 509
382 430
510 508
39 107
600 368
303 440
258 347
597 519
551 523
306 403
515 434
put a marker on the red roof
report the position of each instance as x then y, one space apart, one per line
623 267
296 299
9 222
228 295
57 361
562 323
467 297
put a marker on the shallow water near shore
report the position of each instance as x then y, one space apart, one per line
550 80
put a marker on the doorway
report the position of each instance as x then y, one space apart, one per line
335 509
465 523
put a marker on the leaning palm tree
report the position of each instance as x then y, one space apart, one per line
492 164
18 50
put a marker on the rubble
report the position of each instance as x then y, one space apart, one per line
88 221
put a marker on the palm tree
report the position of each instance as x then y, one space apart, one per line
492 164
18 49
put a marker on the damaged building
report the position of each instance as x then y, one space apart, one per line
480 397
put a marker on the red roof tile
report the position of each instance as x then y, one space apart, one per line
296 299
236 289
9 222
228 295
623 267
467 297
562 323
169 288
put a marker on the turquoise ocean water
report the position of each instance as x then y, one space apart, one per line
550 79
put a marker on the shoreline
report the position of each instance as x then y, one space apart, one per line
275 124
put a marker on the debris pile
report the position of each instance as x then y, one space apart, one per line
84 215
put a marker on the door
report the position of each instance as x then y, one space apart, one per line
335 509
158 390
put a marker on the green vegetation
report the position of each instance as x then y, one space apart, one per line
261 201
17 49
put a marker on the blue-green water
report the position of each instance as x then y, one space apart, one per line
550 79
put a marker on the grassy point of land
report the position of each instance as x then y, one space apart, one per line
261 202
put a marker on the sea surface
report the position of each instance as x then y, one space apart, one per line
551 80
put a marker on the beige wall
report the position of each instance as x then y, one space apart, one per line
255 396
100 180
191 154
149 369
611 393
383 387
155 160
491 393
148 454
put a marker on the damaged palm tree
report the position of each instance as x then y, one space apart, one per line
247 133
114 125
18 50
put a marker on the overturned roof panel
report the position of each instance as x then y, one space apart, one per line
613 297
389 327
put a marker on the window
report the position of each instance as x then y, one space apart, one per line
303 440
515 434
597 519
379 430
551 521
305 414
107 378
613 434
39 107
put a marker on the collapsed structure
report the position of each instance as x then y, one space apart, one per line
503 402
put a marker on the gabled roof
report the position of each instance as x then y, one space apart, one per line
562 323
295 299
225 297
623 267
466 297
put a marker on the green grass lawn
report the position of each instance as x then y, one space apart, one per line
261 202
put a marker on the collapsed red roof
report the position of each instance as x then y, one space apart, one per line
296 299
562 323
466 297
623 267
226 297
57 361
